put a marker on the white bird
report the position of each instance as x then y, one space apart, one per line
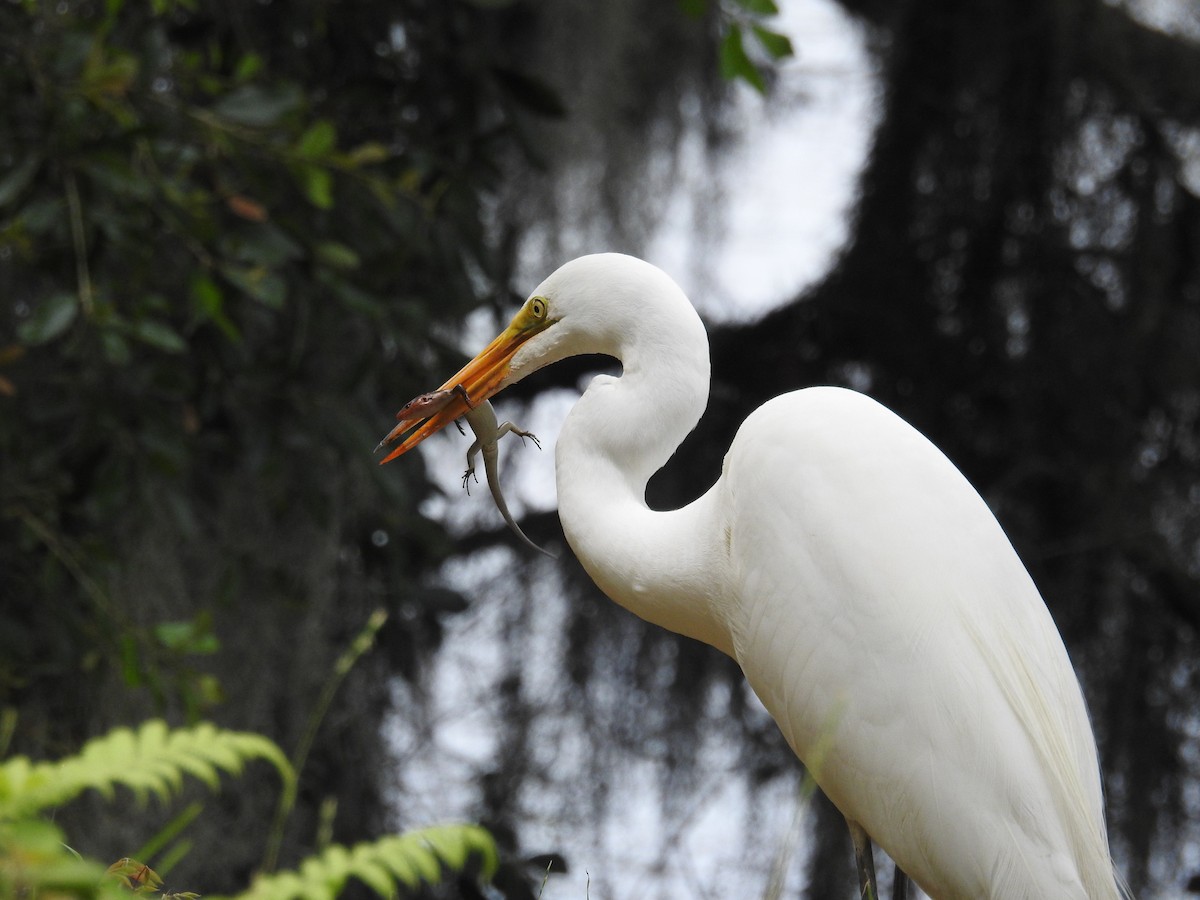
868 593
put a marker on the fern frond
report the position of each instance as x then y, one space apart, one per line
151 760
400 863
36 862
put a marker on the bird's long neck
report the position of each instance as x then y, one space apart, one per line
658 565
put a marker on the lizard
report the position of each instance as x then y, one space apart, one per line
482 419
422 407
483 422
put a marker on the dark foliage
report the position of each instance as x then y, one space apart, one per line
227 233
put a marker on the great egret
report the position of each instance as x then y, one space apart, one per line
868 593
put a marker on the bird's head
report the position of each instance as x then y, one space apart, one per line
592 304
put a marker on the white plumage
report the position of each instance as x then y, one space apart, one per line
869 595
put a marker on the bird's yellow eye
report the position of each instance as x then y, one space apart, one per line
532 317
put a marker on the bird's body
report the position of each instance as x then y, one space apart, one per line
906 654
869 595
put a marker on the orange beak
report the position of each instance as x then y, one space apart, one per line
480 378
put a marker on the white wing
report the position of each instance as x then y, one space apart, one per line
889 627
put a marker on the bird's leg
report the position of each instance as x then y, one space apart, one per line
899 885
864 857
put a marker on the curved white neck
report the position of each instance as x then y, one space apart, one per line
658 565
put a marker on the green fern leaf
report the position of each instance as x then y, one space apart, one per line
326 873
411 861
373 874
448 845
398 863
35 862
150 761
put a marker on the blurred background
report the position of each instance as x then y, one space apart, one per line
236 236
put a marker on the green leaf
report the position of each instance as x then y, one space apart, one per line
259 106
365 154
112 9
116 348
318 186
151 760
131 667
36 862
248 66
337 255
111 77
318 140
779 46
410 859
759 7
206 294
158 334
736 64
174 635
188 636
376 876
168 834
52 316
209 302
